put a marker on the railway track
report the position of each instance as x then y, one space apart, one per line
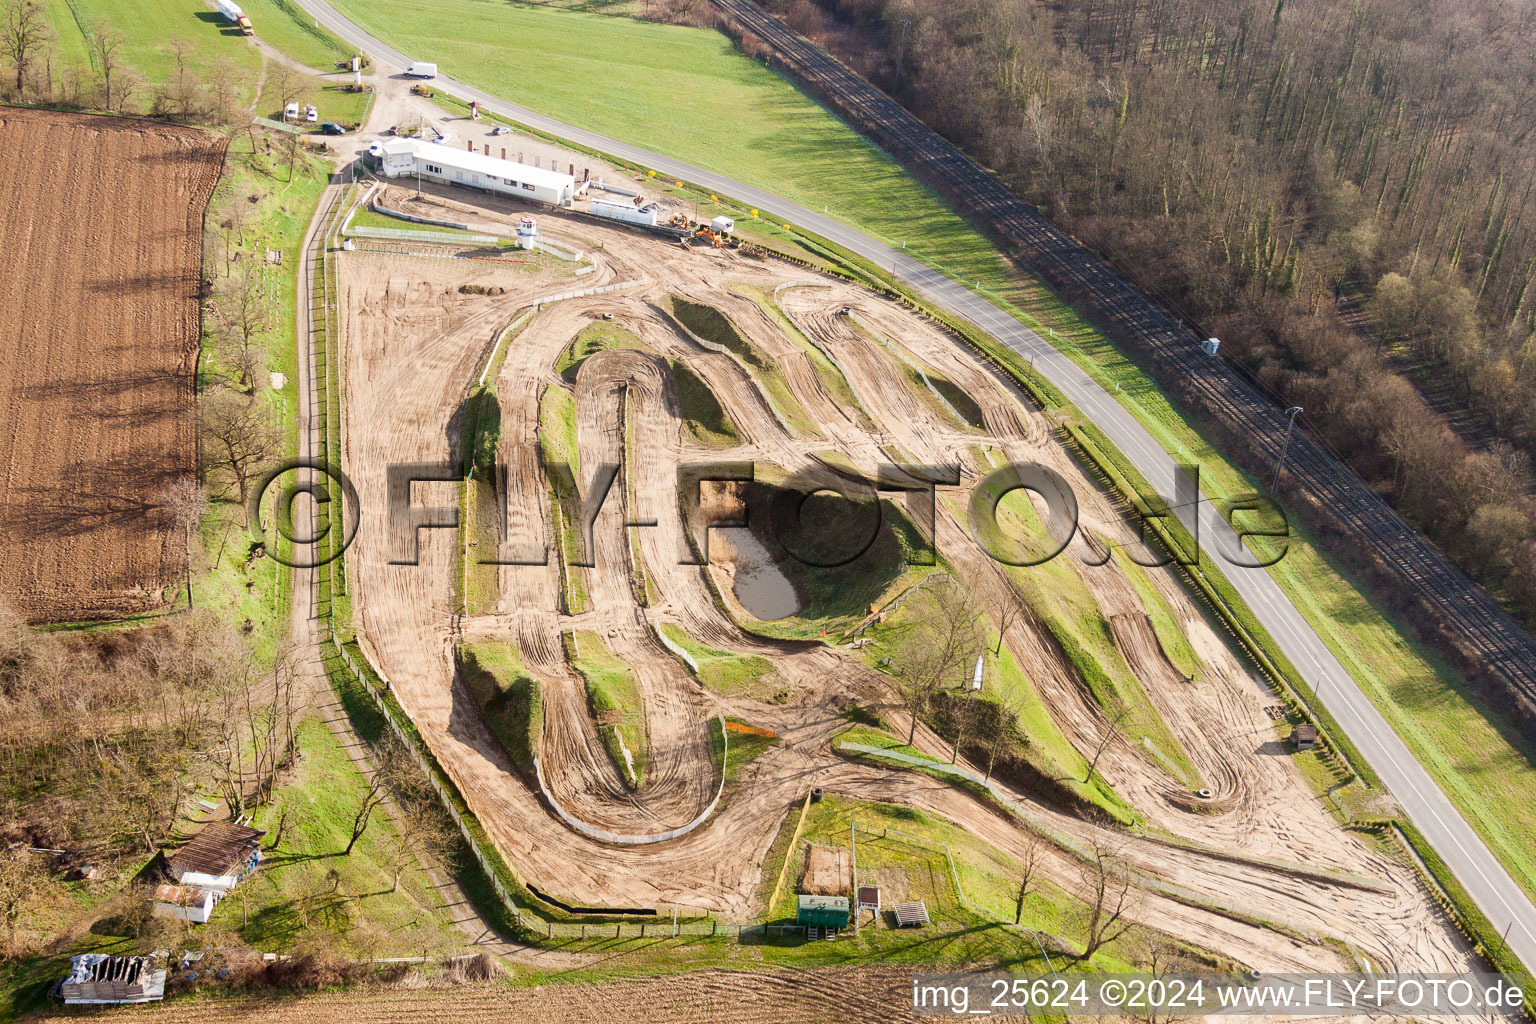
1501 646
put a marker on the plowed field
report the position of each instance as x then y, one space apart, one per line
100 253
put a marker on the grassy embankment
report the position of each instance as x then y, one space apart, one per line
886 557
557 444
613 695
622 77
831 375
715 327
1056 592
729 673
510 699
908 868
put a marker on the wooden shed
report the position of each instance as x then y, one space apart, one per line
219 857
1304 736
98 978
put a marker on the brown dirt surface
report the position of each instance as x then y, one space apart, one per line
1229 881
101 243
823 996
828 871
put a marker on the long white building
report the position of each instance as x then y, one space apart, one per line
409 157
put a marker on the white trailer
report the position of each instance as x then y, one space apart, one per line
421 69
234 15
722 225
623 212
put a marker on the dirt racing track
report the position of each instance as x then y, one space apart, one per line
101 242
414 343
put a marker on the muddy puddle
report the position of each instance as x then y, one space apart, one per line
762 589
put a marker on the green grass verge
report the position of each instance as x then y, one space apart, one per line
557 443
715 327
613 694
307 890
728 673
510 698
1057 593
741 749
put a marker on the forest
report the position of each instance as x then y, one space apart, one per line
1342 192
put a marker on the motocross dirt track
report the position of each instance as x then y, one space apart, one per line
101 249
413 346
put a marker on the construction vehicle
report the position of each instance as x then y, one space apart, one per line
679 220
716 238
420 90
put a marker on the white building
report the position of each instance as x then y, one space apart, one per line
404 158
184 903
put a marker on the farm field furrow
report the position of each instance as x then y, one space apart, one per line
101 233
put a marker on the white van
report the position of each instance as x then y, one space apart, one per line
421 69
291 112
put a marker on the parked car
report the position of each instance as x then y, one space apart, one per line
290 112
311 114
501 129
332 128
375 149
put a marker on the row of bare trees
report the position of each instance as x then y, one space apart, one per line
1342 191
203 92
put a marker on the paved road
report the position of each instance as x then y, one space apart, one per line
1505 903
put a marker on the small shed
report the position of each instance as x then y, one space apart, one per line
98 978
1304 736
219 857
822 911
911 915
184 902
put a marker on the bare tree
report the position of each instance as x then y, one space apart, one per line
23 884
186 503
997 736
1158 955
284 83
1006 609
237 436
375 794
242 306
935 639
24 36
1108 730
1029 864
1109 898
105 41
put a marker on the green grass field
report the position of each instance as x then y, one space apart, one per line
307 887
148 31
901 850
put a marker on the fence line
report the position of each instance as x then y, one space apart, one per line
417 235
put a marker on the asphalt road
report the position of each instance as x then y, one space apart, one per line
1474 865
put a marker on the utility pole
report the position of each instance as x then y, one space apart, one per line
1290 425
901 48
